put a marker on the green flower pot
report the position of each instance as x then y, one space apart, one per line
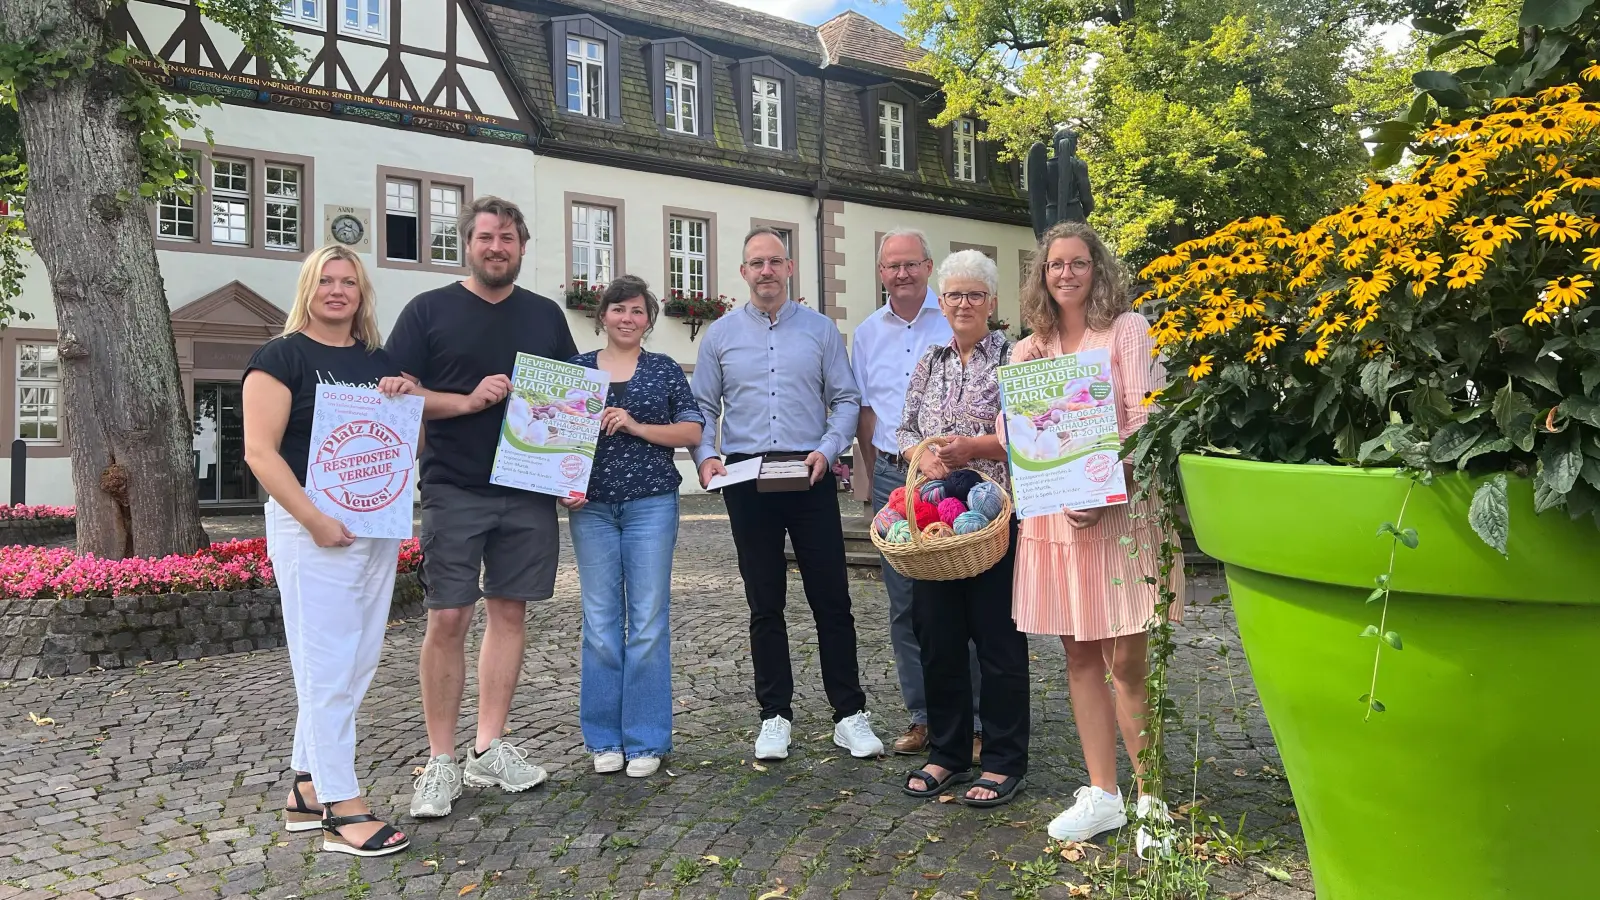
1476 782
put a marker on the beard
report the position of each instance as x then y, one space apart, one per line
480 270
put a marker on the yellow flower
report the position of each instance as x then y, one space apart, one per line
1269 337
1551 130
1369 349
1165 283
1434 204
1254 307
1254 354
1417 262
1217 298
1592 73
1560 93
1540 200
1168 263
1355 253
1333 326
1367 318
1560 227
1151 397
1591 257
1366 286
1460 275
1568 290
1320 352
1217 321
1201 369
1515 128
1541 312
1420 285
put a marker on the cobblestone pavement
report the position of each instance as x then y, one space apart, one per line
167 781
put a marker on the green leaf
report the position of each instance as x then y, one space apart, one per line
1325 398
1591 378
1390 154
1376 595
1551 48
1543 372
1551 13
1581 408
1453 40
1430 406
1591 472
1393 130
1387 528
1371 631
1490 513
1453 440
1376 705
1237 374
1375 380
1418 113
1514 414
1393 640
1431 25
1409 538
1498 445
1561 461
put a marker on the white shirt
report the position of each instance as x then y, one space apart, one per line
884 352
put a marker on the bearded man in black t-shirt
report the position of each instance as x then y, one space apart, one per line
460 344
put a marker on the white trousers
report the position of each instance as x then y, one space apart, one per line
335 611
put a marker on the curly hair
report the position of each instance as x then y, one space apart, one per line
1108 293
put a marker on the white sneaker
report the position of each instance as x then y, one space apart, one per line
856 735
773 741
643 767
436 788
1095 812
607 762
1148 812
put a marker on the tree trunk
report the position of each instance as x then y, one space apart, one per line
126 419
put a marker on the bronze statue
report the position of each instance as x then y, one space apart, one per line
1058 189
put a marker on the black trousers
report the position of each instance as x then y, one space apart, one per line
945 616
811 519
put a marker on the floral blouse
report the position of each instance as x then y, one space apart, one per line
627 467
948 399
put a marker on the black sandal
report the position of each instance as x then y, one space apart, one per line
936 786
374 846
301 817
1005 791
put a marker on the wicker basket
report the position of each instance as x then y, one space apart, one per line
950 558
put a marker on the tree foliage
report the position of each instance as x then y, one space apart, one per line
1192 112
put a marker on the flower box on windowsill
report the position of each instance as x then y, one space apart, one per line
581 297
696 310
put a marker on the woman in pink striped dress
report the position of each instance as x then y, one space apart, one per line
1074 575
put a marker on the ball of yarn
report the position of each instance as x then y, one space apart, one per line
937 531
968 522
897 500
899 533
927 514
949 508
932 492
886 517
985 499
960 483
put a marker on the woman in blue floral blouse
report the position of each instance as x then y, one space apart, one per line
624 534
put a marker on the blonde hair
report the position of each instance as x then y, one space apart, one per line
1108 293
365 327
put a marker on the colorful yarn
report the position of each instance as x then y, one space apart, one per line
897 500
899 533
968 522
885 518
949 508
986 500
960 483
932 492
927 514
938 531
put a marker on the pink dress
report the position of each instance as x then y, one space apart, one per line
1082 582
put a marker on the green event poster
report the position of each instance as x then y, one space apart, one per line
552 425
1061 433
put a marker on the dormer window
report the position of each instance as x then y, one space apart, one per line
965 146
890 114
766 112
764 93
682 82
586 77
891 135
680 86
586 66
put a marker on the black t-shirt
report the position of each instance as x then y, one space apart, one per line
450 339
301 364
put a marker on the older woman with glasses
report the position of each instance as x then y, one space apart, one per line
955 393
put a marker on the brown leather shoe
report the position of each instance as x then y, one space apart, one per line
977 749
913 742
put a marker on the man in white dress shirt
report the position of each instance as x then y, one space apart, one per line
884 351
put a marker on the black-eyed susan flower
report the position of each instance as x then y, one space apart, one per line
1333 326
1170 262
1461 275
1217 321
1416 262
1540 200
1366 286
1551 130
1568 290
1540 312
1434 205
1319 352
1592 73
1422 283
1254 307
1370 349
1150 397
1560 227
1269 337
1202 368
1591 257
1367 318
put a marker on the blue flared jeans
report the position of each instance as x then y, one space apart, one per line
624 553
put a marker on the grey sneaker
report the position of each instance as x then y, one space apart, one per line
436 788
503 766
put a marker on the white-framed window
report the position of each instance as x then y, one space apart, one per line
586 77
401 222
38 393
686 255
230 201
682 81
766 111
444 215
175 220
365 18
592 245
283 206
964 140
891 135
301 12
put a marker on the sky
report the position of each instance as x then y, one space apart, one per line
815 12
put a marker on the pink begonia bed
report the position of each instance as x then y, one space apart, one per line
20 513
37 573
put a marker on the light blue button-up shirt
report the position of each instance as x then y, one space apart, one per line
775 385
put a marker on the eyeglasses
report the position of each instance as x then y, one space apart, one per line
907 267
966 298
1079 267
769 263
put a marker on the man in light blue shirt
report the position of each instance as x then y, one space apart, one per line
885 350
775 375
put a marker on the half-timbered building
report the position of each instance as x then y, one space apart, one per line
639 136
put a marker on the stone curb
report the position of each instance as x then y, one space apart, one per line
18 532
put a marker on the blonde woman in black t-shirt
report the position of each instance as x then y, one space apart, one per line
335 587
